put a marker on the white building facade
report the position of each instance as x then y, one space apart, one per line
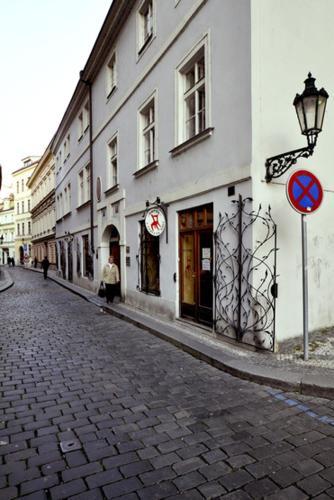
177 110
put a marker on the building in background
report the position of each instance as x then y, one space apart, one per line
43 217
22 208
7 229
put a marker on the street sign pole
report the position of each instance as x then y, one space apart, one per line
305 286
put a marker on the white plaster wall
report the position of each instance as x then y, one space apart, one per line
289 39
199 175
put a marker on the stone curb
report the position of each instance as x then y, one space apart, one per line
7 283
301 380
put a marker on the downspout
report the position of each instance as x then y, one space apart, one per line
89 85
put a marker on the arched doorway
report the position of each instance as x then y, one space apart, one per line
110 246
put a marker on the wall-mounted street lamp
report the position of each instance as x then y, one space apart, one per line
310 108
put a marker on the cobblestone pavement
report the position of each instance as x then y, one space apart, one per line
92 407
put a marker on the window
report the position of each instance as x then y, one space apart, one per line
22 228
147 134
22 204
29 205
17 208
83 119
84 185
17 187
145 24
113 162
22 185
192 87
111 75
67 147
149 261
29 227
18 229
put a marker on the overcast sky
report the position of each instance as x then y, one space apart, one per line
43 46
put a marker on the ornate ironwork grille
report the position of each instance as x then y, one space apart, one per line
245 275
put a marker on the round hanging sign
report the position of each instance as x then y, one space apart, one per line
304 191
155 221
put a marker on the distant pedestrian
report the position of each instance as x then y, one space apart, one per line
110 276
45 266
35 262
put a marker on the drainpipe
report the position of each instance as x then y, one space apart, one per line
89 85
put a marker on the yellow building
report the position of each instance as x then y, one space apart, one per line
43 215
22 207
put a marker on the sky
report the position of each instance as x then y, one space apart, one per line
43 46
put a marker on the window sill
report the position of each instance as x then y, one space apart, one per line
147 168
112 189
110 93
192 141
83 205
67 214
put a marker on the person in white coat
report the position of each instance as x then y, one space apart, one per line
110 277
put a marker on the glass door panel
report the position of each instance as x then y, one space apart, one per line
188 276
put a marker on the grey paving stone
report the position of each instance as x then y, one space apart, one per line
103 478
314 485
158 491
41 483
122 487
189 481
64 491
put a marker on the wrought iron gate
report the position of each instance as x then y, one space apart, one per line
245 275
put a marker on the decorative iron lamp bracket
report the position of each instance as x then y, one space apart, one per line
279 164
310 107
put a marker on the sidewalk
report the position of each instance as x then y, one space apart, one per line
285 370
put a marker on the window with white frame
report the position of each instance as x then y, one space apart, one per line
192 87
67 147
111 74
147 133
84 185
145 23
83 120
113 162
22 205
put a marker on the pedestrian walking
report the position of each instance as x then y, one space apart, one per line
45 266
110 277
35 262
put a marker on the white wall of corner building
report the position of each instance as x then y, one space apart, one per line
289 39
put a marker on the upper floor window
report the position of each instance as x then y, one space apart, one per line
147 133
113 162
83 120
17 187
22 203
84 185
18 229
111 75
145 24
22 185
67 147
17 208
29 205
192 85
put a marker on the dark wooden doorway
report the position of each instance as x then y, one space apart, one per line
114 250
196 263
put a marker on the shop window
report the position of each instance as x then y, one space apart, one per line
149 262
87 259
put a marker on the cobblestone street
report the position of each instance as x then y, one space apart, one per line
93 407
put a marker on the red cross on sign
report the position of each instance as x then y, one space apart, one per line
304 192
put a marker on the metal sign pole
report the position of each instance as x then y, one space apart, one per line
305 286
